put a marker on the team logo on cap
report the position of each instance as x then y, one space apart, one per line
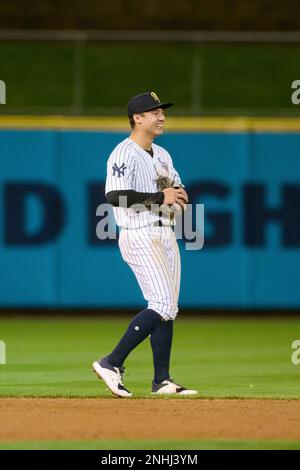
154 96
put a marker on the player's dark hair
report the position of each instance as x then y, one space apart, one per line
132 122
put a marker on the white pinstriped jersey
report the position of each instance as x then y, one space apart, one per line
131 167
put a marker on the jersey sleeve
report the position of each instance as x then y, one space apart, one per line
121 168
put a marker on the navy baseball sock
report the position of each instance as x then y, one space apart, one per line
161 343
140 327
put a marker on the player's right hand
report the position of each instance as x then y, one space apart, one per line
175 195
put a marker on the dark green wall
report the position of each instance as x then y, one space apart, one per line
99 78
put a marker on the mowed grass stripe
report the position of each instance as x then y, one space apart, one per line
153 445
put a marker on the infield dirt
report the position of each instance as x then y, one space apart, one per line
88 419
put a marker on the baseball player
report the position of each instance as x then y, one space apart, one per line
143 187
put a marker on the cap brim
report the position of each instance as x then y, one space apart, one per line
157 106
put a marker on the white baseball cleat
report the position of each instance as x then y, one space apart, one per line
112 376
169 387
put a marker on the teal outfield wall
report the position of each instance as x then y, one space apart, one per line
52 182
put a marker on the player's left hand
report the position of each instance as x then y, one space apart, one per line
183 195
182 200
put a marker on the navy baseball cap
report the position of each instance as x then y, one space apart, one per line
145 102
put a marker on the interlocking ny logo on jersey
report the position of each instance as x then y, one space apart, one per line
154 96
120 170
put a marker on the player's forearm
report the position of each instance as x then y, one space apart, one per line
127 198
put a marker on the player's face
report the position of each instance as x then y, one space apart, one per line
153 122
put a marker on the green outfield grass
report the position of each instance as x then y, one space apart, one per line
153 445
246 358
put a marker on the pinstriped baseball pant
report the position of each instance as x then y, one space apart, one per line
153 255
